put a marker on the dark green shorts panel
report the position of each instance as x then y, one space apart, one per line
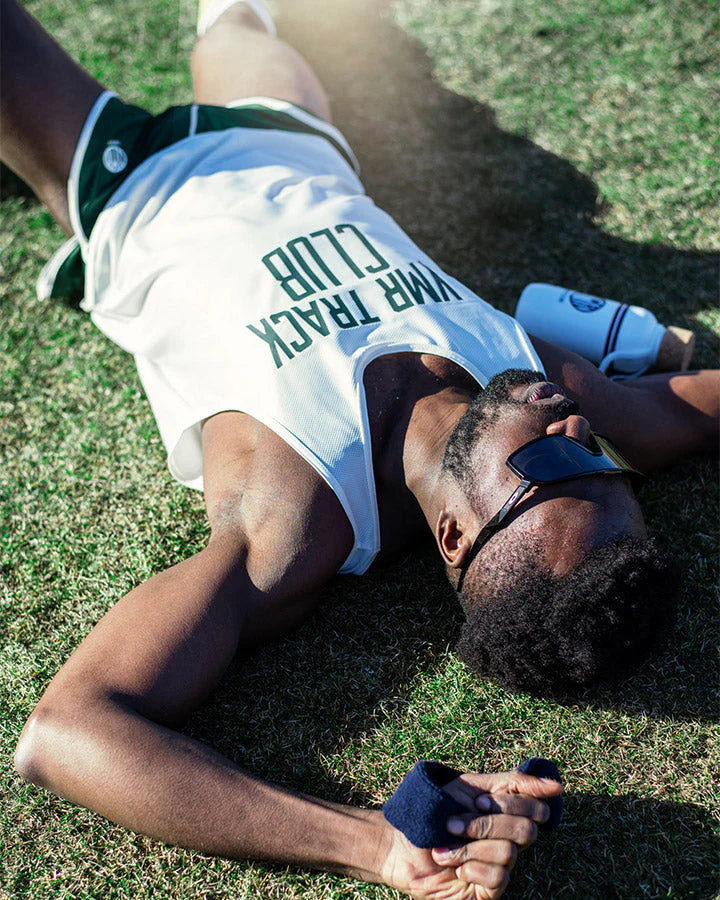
125 136
256 115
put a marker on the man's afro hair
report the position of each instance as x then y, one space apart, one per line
556 636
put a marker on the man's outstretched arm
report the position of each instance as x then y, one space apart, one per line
656 420
105 734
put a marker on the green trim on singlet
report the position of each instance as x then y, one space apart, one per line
139 135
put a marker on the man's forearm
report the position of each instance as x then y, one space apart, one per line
696 394
677 414
104 733
175 789
655 420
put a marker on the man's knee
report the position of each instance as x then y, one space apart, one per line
227 28
233 60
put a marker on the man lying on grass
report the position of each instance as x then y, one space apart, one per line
330 389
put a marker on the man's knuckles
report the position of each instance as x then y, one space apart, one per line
506 854
520 805
452 856
525 831
518 829
480 828
491 852
492 877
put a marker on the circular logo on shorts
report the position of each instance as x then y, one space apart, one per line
114 157
586 304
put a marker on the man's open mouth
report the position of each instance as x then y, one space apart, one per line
545 393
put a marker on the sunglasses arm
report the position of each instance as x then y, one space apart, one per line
492 526
496 521
516 497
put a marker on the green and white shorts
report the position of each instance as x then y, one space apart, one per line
118 138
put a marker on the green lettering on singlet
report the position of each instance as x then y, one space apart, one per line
294 245
442 285
382 263
313 317
273 340
365 317
394 290
339 312
325 232
288 277
277 317
416 284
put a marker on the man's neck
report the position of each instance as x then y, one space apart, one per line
431 423
414 401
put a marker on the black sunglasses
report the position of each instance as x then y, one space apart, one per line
548 460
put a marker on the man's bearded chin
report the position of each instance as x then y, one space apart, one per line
496 395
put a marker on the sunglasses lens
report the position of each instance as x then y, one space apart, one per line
557 457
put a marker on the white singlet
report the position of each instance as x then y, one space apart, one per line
247 270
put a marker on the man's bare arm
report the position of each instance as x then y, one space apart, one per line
656 420
105 734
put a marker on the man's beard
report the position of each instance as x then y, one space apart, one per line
496 397
492 403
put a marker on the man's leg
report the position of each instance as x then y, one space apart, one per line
237 58
44 102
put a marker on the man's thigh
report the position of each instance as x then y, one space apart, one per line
44 102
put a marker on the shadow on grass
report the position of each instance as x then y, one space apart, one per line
498 211
493 208
623 847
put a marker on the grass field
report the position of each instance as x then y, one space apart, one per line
573 142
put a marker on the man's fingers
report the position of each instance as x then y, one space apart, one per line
512 793
514 805
512 782
492 852
518 829
494 879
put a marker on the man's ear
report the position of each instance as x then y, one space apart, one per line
452 539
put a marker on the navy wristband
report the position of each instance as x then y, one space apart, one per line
545 768
420 808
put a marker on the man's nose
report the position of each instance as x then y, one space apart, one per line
576 427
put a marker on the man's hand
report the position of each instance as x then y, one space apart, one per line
503 813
